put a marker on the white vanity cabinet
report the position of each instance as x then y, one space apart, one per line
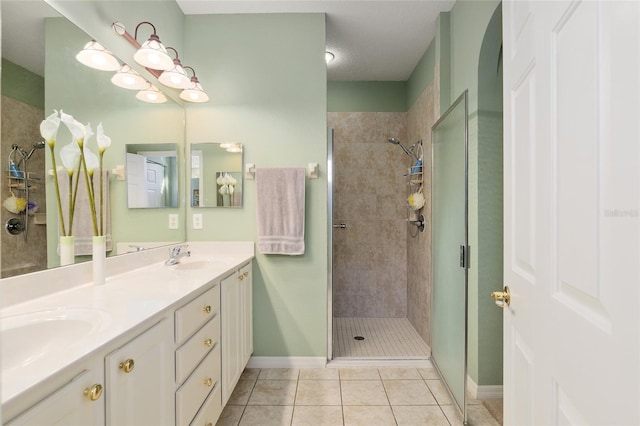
79 402
236 327
197 370
139 379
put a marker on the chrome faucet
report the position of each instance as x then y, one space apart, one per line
176 253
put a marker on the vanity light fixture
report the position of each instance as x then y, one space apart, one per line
175 77
195 92
94 55
151 95
128 78
152 54
231 146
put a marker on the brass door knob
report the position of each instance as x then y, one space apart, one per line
207 309
94 392
502 298
127 366
208 343
208 382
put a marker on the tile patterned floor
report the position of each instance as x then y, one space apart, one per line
345 396
385 338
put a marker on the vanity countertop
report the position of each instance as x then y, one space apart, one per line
127 300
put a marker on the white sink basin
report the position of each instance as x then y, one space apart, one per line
191 264
27 338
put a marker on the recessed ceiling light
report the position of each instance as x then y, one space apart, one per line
328 56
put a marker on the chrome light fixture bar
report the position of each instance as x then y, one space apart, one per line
94 55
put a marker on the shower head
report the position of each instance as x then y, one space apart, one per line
408 151
37 145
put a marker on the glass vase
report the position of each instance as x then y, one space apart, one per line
67 250
99 259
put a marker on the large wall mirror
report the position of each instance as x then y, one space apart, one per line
40 74
216 175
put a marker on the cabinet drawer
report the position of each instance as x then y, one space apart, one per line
189 355
190 317
192 394
211 410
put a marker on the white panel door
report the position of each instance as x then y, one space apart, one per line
155 185
136 181
572 225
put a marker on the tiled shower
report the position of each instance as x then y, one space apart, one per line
20 126
381 264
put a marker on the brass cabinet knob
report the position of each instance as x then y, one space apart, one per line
94 392
502 298
207 309
240 277
209 424
208 382
246 274
127 365
208 343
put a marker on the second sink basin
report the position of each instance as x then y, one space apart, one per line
27 338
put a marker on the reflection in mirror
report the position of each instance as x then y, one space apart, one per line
216 175
152 176
34 34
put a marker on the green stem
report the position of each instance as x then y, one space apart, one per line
75 196
101 199
92 204
55 179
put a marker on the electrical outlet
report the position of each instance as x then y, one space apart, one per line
173 221
197 221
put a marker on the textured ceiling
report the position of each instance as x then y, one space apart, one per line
372 40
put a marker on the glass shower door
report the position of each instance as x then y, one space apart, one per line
449 211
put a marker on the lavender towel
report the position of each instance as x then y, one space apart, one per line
280 210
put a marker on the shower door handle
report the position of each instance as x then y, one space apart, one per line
341 225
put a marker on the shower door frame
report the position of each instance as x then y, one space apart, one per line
329 244
462 98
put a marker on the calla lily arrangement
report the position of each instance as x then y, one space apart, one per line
76 159
227 184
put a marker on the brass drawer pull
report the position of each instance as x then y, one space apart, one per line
94 392
208 382
207 309
208 343
127 366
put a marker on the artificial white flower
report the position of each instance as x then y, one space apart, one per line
49 128
104 141
91 160
70 156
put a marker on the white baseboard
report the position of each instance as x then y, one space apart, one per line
287 362
483 392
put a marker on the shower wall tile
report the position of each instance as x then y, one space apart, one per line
20 126
422 115
370 255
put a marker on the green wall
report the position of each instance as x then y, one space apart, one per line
276 107
21 84
468 23
367 96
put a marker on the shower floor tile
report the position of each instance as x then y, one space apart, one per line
384 338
